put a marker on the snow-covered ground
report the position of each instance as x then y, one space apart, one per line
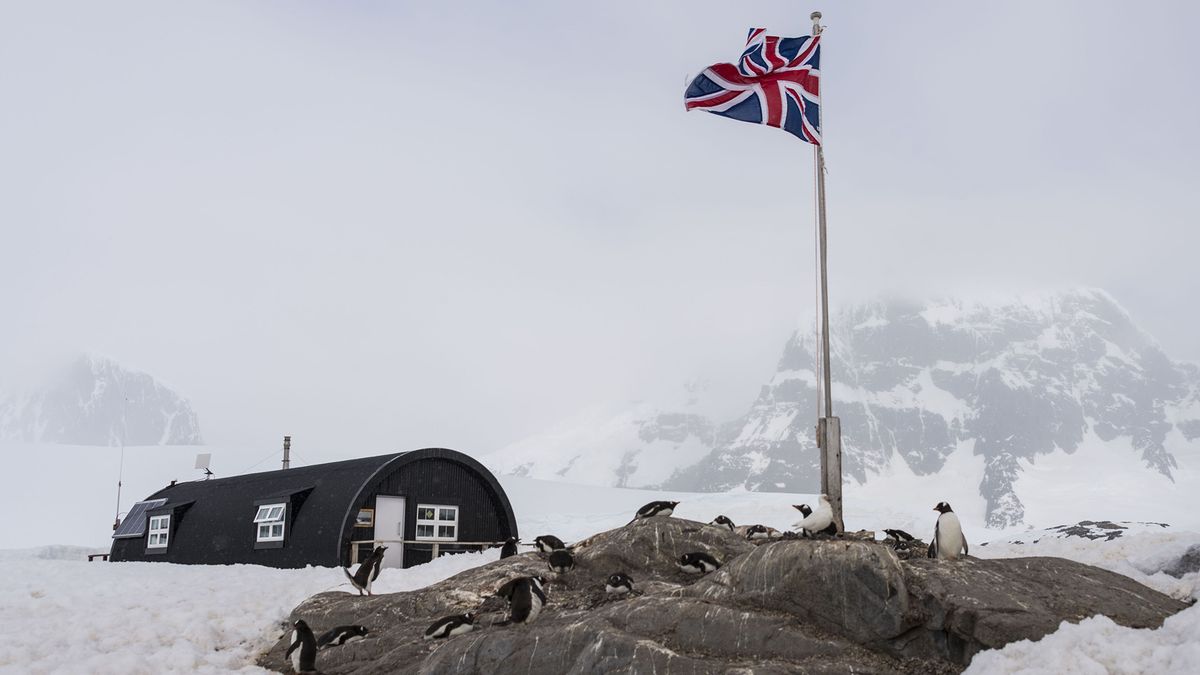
1097 645
66 616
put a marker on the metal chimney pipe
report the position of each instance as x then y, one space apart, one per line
287 452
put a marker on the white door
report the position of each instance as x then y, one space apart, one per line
389 528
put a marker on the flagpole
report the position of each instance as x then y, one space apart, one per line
829 428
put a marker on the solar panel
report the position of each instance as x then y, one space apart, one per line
134 524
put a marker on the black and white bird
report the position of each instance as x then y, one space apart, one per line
899 535
340 635
548 543
757 532
561 561
816 521
948 539
698 563
655 509
722 521
509 549
303 649
526 598
367 572
450 626
618 583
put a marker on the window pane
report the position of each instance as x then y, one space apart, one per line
446 531
277 530
262 513
448 514
276 513
425 513
424 530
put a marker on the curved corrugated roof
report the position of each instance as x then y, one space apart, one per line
217 523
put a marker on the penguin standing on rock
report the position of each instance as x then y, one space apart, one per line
303 650
818 521
367 572
509 549
758 532
451 626
548 543
948 538
655 509
723 521
561 561
698 563
618 583
335 637
526 598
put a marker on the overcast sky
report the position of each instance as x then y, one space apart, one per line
379 226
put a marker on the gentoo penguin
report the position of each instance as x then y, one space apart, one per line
818 521
654 509
722 521
561 561
451 626
758 532
367 572
509 549
948 539
618 583
303 650
548 543
525 598
341 635
698 563
899 535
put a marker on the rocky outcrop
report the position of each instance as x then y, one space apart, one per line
819 606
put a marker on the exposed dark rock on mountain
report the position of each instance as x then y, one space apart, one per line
831 606
95 401
1007 381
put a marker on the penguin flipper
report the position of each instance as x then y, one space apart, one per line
291 649
933 548
966 550
375 569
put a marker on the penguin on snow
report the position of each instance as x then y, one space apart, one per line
526 598
509 549
698 563
340 635
303 650
723 521
618 583
948 538
655 509
561 561
367 572
450 626
816 521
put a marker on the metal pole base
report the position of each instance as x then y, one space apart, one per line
829 441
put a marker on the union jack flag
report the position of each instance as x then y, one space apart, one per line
776 82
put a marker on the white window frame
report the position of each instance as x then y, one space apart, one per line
437 521
270 518
158 532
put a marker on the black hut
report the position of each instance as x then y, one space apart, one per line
417 503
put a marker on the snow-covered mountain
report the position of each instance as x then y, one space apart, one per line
968 391
95 401
642 446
